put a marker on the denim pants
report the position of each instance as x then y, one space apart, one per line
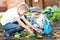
12 28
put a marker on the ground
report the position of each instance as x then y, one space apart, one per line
55 26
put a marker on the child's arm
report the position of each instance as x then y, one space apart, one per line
45 18
28 23
22 24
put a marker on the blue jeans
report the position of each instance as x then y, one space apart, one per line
11 28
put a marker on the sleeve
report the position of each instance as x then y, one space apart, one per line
16 15
46 19
32 20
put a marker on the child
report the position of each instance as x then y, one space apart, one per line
15 14
38 19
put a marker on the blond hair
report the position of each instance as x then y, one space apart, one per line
23 5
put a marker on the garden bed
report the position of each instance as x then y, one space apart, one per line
55 26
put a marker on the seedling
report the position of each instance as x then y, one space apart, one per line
30 36
17 36
40 32
39 36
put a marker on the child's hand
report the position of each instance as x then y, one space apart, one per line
39 31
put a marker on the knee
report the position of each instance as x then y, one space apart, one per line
19 28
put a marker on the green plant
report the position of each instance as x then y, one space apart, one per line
30 35
49 11
56 16
0 19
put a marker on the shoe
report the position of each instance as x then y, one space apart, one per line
7 35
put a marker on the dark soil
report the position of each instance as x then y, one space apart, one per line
55 26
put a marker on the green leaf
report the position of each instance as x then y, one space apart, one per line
56 16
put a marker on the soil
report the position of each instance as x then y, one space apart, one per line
55 27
